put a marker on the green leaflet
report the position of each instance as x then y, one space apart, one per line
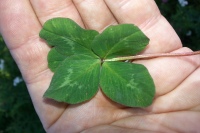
59 30
67 37
127 84
120 40
75 80
78 58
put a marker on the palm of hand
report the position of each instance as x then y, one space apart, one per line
177 100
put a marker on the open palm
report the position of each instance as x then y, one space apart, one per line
176 107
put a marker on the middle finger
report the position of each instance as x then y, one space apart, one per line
95 14
55 8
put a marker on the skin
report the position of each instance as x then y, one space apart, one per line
176 107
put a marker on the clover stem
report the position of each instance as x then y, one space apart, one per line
147 56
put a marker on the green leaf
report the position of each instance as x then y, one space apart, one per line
119 40
127 83
75 80
67 37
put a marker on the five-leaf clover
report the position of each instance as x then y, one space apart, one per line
84 61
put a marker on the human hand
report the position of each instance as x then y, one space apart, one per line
176 107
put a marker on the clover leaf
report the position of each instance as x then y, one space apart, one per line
84 61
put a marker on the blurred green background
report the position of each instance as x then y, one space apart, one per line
17 114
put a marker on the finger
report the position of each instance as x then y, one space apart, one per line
55 8
95 14
184 97
170 72
20 29
146 15
16 19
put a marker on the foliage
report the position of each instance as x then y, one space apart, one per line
17 113
86 62
184 19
